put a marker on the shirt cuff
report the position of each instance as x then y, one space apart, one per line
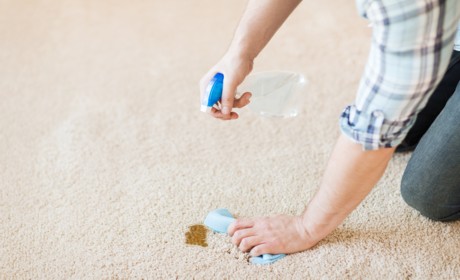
372 130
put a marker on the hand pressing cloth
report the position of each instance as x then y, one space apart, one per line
219 220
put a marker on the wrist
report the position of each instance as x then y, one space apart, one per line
241 50
238 60
309 240
314 234
319 224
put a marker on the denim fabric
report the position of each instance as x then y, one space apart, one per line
431 181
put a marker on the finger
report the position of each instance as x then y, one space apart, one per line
218 114
239 224
242 101
228 95
241 234
249 242
260 249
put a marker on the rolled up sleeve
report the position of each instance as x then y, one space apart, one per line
412 43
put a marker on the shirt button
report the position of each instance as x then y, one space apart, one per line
378 114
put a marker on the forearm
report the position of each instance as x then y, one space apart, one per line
349 177
260 21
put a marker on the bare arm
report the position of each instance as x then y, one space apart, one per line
350 175
259 23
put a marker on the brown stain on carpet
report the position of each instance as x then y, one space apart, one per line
196 235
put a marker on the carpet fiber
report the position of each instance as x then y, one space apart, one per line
106 160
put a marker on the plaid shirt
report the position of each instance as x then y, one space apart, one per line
411 46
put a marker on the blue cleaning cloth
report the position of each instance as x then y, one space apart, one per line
219 220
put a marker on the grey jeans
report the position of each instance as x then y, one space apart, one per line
431 181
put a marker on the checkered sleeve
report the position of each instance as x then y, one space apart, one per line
411 46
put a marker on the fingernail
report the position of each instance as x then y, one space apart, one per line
225 110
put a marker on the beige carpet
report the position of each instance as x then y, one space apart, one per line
106 160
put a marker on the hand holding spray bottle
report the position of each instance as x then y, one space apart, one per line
274 94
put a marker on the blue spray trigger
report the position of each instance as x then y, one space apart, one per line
213 92
215 88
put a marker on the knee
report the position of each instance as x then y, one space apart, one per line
416 196
425 209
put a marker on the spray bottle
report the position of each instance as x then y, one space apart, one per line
274 93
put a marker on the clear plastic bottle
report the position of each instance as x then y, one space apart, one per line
274 93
